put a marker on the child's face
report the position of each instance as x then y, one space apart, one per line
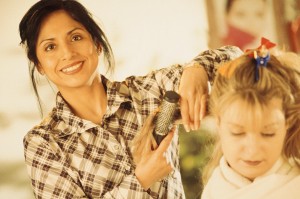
252 138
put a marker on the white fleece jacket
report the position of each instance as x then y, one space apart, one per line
282 181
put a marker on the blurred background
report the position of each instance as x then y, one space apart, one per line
145 35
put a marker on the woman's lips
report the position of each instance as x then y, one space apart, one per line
72 69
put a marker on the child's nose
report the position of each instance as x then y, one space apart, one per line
252 145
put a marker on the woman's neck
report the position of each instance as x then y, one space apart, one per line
87 102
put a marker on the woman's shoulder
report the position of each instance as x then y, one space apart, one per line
42 129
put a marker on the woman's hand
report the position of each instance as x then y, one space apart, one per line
155 164
193 90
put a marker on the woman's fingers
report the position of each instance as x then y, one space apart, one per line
163 149
191 111
203 106
165 142
193 86
196 113
184 109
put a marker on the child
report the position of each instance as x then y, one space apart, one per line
255 101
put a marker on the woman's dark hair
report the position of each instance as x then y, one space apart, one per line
228 5
30 24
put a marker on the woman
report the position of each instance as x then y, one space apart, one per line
82 149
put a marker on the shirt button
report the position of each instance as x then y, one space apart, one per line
117 147
127 170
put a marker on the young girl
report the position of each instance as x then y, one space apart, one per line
82 149
255 101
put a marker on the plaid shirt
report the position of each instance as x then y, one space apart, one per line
68 157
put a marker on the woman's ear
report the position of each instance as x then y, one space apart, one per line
99 49
40 69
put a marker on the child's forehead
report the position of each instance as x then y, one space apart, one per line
243 113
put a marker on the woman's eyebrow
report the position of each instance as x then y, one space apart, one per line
71 31
68 33
49 39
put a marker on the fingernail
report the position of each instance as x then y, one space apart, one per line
168 161
187 128
196 126
201 115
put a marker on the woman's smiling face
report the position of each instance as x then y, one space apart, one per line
66 52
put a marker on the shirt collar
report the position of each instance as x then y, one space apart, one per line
117 93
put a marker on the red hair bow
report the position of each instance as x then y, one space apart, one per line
265 45
260 54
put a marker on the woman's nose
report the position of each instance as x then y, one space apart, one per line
67 51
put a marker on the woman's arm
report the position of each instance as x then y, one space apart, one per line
211 59
193 87
189 80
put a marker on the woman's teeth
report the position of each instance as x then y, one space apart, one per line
72 68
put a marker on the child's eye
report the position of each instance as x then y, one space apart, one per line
76 38
49 47
268 134
237 133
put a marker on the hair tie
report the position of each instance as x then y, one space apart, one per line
261 55
261 61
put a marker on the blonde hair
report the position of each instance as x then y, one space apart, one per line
279 79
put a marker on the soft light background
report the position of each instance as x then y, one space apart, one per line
144 35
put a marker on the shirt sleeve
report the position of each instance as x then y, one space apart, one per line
154 84
131 188
52 175
50 178
158 81
211 59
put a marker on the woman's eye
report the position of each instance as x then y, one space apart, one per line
76 38
49 47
